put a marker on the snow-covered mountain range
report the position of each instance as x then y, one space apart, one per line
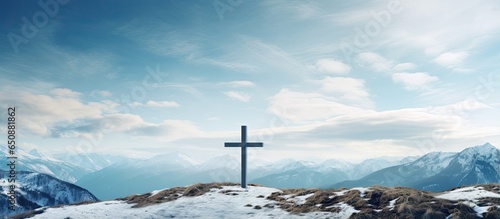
177 169
67 167
225 200
110 177
35 190
438 171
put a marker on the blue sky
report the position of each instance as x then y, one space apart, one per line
311 79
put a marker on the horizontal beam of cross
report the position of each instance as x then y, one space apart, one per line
239 144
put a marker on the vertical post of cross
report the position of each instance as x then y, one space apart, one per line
243 156
243 144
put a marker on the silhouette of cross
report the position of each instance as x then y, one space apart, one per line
243 144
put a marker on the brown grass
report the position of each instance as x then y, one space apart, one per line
410 203
172 194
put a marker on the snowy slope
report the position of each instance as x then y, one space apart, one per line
230 201
36 190
217 203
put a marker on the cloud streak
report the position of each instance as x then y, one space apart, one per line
240 96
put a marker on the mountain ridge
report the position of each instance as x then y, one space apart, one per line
438 171
35 190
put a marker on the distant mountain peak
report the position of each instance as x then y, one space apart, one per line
485 149
178 156
38 154
486 152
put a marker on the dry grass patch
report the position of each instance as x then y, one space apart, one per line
172 194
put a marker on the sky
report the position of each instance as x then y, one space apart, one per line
310 79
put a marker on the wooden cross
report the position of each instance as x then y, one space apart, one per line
243 144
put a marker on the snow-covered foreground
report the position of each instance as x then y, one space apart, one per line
228 202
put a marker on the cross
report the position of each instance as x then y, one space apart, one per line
243 144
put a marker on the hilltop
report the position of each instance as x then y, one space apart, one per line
228 200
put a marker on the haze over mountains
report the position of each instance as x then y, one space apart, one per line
109 177
176 169
67 167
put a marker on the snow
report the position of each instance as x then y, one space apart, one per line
300 200
478 209
471 196
213 204
153 193
362 191
392 204
346 210
468 193
485 152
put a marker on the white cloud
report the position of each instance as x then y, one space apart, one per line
238 96
404 66
376 61
451 59
160 104
130 124
414 81
348 89
102 93
64 92
459 108
301 107
381 64
332 66
403 124
437 27
41 111
168 130
238 84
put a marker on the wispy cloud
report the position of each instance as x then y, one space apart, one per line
238 84
453 60
273 58
332 66
159 104
238 96
101 93
164 39
404 66
350 91
414 81
376 62
301 107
